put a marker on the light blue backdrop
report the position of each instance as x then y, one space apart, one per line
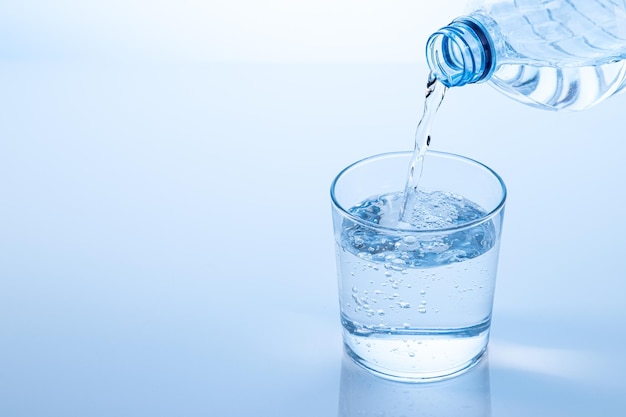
165 236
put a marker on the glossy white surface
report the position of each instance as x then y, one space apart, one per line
166 244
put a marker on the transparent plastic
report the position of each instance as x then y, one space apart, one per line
551 54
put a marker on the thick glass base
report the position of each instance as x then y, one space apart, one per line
417 358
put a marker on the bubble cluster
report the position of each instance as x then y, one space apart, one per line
402 249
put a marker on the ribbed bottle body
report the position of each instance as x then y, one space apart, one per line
553 54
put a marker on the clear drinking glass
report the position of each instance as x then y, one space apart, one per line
416 300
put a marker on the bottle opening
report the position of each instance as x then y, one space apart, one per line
460 53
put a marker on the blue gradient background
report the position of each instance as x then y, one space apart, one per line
165 236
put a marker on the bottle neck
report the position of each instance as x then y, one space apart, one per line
461 53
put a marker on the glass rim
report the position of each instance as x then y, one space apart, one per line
488 215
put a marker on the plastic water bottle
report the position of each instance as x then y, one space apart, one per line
551 54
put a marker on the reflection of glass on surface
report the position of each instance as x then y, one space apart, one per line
363 394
